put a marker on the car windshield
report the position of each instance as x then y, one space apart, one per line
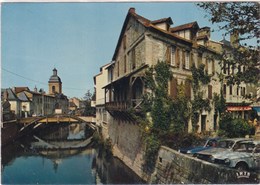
226 144
211 143
244 147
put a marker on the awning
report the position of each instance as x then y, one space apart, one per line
238 108
257 109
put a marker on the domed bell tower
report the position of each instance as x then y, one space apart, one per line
55 84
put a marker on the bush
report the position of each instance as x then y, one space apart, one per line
234 127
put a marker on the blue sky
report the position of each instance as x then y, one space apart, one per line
75 38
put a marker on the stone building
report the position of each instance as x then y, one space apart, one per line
25 102
55 84
141 44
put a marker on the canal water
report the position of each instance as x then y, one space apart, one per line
61 154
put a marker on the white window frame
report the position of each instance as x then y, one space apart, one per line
173 58
187 60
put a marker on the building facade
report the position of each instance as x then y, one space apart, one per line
102 116
24 102
142 43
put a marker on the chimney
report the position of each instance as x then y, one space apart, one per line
131 10
5 95
234 37
204 31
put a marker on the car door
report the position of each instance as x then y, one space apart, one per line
256 156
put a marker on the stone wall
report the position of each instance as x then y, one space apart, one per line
174 167
127 145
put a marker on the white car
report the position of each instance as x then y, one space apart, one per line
244 156
222 145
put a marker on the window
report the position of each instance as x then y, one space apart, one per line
228 69
187 60
173 58
239 68
199 59
124 41
224 68
133 58
210 91
183 59
213 67
230 89
177 57
125 67
117 68
224 89
237 91
188 89
53 89
243 91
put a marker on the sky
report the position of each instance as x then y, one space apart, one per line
75 38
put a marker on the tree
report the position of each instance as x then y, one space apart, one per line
88 111
237 127
240 19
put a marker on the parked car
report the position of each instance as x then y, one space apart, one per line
244 156
203 145
222 145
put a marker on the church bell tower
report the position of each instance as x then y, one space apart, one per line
55 84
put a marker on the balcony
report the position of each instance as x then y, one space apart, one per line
123 105
116 106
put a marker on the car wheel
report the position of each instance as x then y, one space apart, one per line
242 167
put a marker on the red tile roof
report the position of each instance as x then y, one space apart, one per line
185 26
169 20
20 89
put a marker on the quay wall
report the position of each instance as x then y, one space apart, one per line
127 145
173 167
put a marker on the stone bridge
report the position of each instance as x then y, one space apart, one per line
34 122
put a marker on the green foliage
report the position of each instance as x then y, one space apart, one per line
166 115
88 110
241 19
151 151
220 102
179 111
199 75
198 104
176 140
234 127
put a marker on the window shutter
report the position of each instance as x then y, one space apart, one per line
124 41
183 59
199 59
213 67
191 59
168 55
188 89
207 65
173 88
177 57
210 91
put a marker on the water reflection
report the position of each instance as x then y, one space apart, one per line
59 154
